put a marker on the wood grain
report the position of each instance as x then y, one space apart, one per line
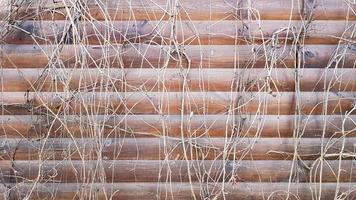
34 126
189 10
212 79
194 56
185 32
197 103
139 191
139 56
173 148
65 171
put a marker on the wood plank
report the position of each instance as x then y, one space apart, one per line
34 126
185 32
174 171
330 32
325 56
139 191
143 171
329 9
123 126
213 79
174 148
188 9
140 55
156 56
193 103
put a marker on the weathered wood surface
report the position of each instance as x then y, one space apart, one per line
34 126
170 99
284 103
189 10
176 149
138 55
186 32
175 171
137 191
194 56
33 79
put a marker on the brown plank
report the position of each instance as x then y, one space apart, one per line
189 9
142 55
139 191
175 171
329 31
26 126
194 103
174 148
325 56
20 80
144 171
329 9
156 56
194 32
186 32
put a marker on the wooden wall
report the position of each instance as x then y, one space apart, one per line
178 99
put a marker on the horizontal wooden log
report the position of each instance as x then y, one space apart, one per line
195 32
329 32
325 56
329 9
26 126
186 32
195 10
156 56
175 171
140 55
193 103
176 149
20 80
143 171
139 191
